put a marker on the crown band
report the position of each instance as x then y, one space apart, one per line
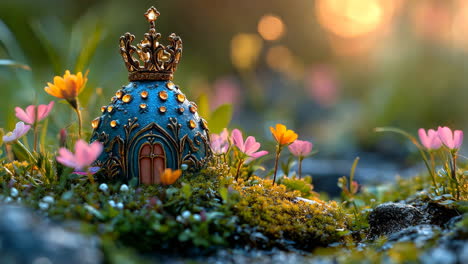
150 76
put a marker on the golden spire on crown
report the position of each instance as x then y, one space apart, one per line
155 61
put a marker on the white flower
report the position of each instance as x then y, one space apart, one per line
8 199
43 206
112 203
186 214
14 192
120 205
179 219
48 199
19 131
103 187
124 188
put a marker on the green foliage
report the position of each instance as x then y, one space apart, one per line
217 119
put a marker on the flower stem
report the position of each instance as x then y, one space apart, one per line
80 119
90 177
241 161
299 170
278 152
431 155
454 173
35 136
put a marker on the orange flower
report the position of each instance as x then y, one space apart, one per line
67 87
169 177
282 135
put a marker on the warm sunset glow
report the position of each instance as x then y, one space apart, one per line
353 18
271 27
245 49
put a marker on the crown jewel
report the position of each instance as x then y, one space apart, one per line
153 60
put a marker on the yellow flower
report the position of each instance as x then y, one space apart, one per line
67 87
282 135
169 177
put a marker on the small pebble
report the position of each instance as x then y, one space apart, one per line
14 192
186 214
197 217
48 199
103 187
43 206
184 166
112 203
124 188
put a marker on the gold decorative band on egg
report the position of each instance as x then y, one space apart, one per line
149 76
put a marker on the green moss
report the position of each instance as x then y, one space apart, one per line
277 213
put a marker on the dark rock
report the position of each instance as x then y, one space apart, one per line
389 218
437 214
27 238
419 235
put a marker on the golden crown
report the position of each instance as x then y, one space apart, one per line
159 61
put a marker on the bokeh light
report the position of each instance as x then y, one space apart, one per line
271 27
245 49
353 18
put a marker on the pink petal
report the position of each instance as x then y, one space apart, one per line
307 148
68 159
20 130
21 115
425 141
251 145
294 148
237 139
258 154
224 134
31 112
82 153
96 149
44 110
446 136
458 138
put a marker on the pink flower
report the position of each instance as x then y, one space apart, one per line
20 130
220 143
29 115
431 140
300 148
84 155
451 140
249 147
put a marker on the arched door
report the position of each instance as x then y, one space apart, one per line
152 162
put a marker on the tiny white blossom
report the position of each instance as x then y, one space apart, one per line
120 205
124 188
103 187
179 219
43 206
8 199
14 192
112 203
48 199
186 214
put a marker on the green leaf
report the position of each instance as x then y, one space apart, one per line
2 133
220 118
203 106
14 64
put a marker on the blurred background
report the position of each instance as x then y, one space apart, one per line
332 70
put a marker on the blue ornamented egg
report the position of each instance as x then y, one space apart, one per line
148 127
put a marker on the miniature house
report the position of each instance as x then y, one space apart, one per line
150 125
